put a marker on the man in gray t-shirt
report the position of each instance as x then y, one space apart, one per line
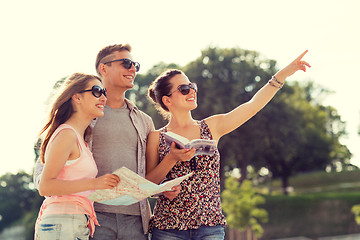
119 139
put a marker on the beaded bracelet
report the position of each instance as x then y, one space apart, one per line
272 84
274 78
278 83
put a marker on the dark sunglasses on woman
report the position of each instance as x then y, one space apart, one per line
96 90
184 89
127 63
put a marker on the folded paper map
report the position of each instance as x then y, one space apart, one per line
132 188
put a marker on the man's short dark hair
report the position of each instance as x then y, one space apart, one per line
105 54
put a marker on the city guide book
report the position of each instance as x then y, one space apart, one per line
132 188
202 146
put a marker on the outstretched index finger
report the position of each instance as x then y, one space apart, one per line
301 56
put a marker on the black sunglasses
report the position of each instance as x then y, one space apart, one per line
184 89
96 90
127 63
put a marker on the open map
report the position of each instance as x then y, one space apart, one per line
132 188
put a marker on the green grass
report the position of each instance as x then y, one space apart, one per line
317 182
311 215
319 205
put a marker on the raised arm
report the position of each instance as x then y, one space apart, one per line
222 124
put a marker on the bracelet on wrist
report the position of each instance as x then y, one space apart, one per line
277 81
274 85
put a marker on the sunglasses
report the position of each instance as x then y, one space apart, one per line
184 89
127 63
96 90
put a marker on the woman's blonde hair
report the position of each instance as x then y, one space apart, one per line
62 108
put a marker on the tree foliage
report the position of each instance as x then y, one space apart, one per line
356 211
16 197
240 203
301 135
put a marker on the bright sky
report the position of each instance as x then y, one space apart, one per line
43 41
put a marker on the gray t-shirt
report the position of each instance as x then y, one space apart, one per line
114 146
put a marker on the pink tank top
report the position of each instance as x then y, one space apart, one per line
83 167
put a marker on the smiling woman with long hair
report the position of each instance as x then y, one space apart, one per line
69 174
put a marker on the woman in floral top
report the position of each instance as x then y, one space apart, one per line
193 210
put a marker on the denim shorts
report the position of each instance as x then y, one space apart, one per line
203 233
63 226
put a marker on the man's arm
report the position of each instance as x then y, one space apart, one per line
37 173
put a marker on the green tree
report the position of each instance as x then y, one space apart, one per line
16 197
302 135
240 203
356 211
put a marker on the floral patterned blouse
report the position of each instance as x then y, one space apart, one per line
198 203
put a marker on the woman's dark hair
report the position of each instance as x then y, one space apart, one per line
160 87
